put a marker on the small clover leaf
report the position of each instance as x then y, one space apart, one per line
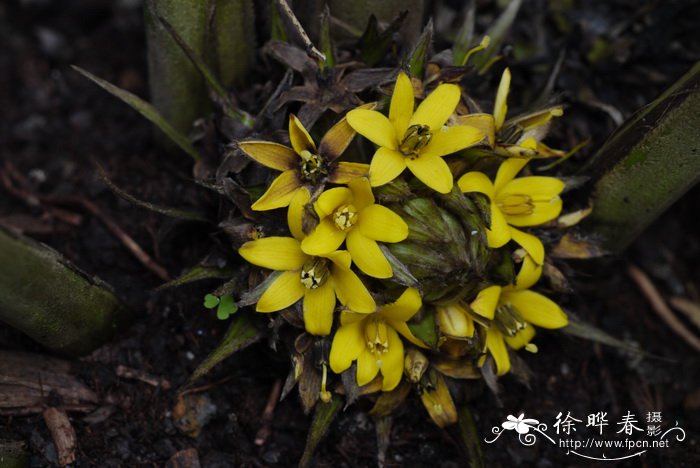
227 307
211 301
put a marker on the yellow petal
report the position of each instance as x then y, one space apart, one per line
367 368
300 138
437 107
285 291
497 348
296 211
392 362
486 302
348 343
351 292
454 321
272 155
404 308
403 329
319 304
374 126
280 193
500 233
544 192
529 273
336 140
275 253
476 182
433 171
341 258
500 107
536 309
507 172
347 317
325 239
367 256
483 122
402 101
532 245
448 140
522 338
344 172
386 165
331 200
362 195
381 224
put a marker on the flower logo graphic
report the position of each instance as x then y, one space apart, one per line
520 424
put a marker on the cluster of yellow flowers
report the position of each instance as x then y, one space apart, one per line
334 228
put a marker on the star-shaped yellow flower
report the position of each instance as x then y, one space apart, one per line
525 201
373 340
350 214
513 311
520 136
303 166
318 279
416 140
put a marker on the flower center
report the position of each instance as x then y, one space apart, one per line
314 272
311 166
345 217
377 336
508 320
516 205
415 139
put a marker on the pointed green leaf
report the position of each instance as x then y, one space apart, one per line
145 109
464 36
581 329
469 436
374 45
419 55
497 34
177 213
326 41
425 330
240 334
198 273
323 417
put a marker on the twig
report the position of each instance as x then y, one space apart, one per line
135 374
125 239
310 48
659 306
62 433
42 200
268 414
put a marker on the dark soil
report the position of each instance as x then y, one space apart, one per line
56 124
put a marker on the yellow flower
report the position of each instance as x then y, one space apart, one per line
350 214
317 279
513 311
520 136
525 201
416 140
372 340
303 165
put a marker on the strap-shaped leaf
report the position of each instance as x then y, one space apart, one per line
147 110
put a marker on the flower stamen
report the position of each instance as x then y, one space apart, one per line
377 337
415 139
311 166
508 320
314 273
345 217
516 205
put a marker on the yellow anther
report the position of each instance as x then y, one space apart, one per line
516 205
415 139
345 217
314 272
